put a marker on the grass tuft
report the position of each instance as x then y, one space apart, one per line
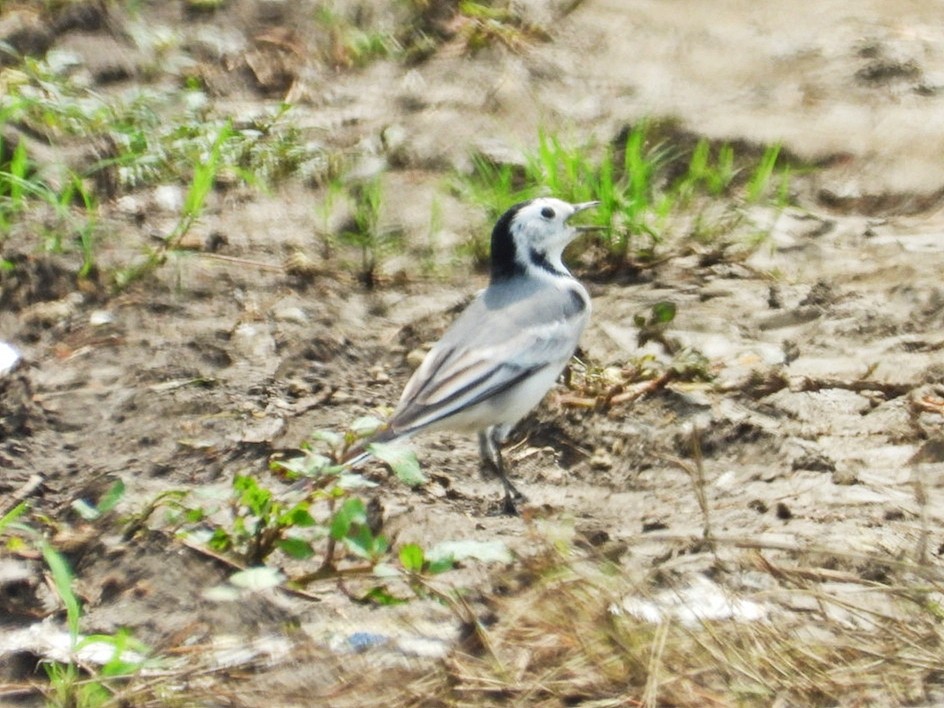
562 636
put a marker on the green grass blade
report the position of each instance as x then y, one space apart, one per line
62 581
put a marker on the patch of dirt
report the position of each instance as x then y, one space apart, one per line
825 343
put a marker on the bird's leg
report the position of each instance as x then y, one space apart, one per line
490 449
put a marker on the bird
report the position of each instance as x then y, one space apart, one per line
507 348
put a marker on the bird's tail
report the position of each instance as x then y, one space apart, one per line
358 452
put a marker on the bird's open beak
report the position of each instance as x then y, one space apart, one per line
583 206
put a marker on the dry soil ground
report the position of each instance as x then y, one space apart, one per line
826 344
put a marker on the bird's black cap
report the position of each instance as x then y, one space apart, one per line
504 263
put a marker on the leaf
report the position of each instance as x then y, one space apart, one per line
62 581
365 425
297 516
351 511
308 465
402 461
468 549
12 515
111 498
379 595
257 578
296 548
441 565
220 540
412 557
361 540
352 480
663 312
330 437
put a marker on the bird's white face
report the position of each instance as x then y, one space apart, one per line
541 232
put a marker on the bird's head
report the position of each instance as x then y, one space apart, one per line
531 236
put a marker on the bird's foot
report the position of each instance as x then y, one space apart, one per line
509 504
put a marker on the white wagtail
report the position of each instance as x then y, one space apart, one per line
507 348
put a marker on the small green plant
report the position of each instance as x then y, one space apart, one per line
364 231
334 522
758 185
261 524
648 184
70 685
351 44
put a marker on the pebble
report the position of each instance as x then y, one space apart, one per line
254 341
290 313
845 477
130 205
9 358
169 198
98 318
601 460
54 311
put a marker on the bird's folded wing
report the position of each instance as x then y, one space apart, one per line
451 379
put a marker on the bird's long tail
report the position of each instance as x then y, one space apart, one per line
358 452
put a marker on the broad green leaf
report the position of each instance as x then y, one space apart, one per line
412 557
350 512
379 595
360 541
441 565
297 516
402 461
663 312
296 548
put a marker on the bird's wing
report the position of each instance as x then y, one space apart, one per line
484 354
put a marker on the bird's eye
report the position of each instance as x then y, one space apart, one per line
547 213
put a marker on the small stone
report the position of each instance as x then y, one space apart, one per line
814 462
169 198
649 525
290 313
601 460
53 311
845 477
378 374
130 205
9 358
254 341
301 265
758 505
25 33
99 318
